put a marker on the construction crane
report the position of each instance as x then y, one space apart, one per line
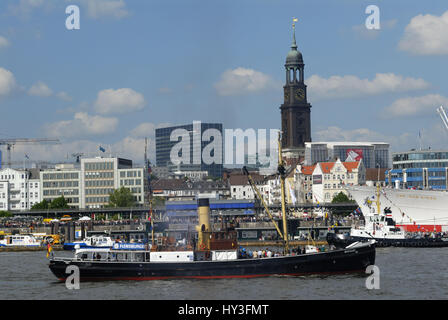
443 116
10 143
78 156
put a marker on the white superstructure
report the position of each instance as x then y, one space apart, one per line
417 210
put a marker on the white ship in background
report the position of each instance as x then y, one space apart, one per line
414 210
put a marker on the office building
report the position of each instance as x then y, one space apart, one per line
427 169
194 142
373 154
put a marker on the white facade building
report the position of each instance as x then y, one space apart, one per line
329 178
19 189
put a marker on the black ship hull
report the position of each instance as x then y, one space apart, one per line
380 242
338 261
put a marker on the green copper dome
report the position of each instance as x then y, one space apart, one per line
294 56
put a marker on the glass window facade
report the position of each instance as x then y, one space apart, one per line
164 146
372 154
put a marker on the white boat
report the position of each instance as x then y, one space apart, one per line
414 210
381 227
19 241
90 242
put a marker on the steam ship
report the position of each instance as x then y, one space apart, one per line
215 255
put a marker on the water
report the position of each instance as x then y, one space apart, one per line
405 273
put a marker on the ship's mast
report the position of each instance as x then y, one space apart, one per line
282 173
378 203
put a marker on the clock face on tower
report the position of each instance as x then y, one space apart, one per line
299 94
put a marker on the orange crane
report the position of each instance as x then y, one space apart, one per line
9 143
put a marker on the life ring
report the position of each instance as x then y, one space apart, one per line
202 246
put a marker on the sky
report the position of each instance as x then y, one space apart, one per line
134 65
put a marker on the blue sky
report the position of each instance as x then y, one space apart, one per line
135 65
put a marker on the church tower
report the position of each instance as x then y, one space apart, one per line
295 110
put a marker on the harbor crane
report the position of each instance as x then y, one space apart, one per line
443 116
10 143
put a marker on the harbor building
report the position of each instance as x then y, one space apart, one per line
182 190
329 178
63 180
19 189
373 154
101 176
426 169
167 138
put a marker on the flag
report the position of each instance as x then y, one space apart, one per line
295 20
49 249
292 195
102 149
26 156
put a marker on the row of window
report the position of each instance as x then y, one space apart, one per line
61 175
130 174
130 182
99 175
61 184
72 192
99 183
99 166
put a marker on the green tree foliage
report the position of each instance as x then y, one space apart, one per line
158 201
43 205
121 198
5 214
341 197
59 203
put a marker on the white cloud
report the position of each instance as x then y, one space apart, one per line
25 7
415 106
426 35
4 43
7 82
147 129
362 32
40 89
106 8
350 86
81 125
64 96
119 101
128 147
241 81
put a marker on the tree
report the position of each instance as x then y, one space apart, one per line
43 205
59 203
121 198
158 201
5 214
341 197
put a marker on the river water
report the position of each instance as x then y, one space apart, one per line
405 273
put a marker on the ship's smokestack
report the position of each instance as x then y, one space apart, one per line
203 227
